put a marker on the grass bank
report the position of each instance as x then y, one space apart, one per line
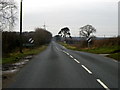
16 56
111 50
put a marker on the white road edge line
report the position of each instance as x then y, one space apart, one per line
87 69
76 60
103 84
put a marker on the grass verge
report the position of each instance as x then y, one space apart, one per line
68 46
98 50
16 56
116 56
101 50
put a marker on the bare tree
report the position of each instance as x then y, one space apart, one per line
65 32
8 10
87 30
41 36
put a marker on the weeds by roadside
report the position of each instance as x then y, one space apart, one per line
16 56
112 50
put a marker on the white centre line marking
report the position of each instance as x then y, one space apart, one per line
67 53
63 51
71 56
76 60
103 84
57 48
63 46
87 69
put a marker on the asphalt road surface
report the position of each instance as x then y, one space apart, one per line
58 67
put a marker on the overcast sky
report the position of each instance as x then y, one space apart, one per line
102 14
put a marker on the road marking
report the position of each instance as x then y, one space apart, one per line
57 48
71 56
67 53
76 60
63 47
87 69
103 84
64 51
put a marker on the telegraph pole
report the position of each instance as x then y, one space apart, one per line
44 26
21 26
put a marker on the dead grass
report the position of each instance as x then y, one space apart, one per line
106 46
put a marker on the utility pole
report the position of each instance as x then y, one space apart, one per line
21 26
44 26
104 36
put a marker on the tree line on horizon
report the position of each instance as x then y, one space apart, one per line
85 31
87 39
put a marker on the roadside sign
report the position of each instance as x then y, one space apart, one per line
89 39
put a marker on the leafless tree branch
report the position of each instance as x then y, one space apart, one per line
8 11
87 30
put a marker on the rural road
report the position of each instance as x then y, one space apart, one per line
58 67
